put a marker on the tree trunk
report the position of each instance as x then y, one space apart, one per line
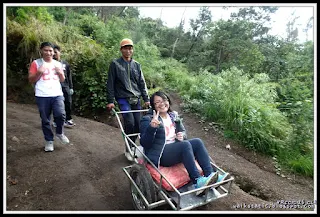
66 16
219 61
174 46
194 42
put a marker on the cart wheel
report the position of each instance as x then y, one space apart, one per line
144 181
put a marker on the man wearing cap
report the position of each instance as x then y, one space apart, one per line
126 85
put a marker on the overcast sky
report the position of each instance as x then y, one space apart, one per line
171 16
172 13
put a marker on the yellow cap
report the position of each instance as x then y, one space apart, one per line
126 42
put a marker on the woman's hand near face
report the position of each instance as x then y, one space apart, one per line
155 122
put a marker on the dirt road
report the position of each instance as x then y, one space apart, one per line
86 176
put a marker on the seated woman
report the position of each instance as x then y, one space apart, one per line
165 143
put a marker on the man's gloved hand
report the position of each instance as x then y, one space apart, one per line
71 92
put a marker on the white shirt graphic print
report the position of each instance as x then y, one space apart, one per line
169 129
49 83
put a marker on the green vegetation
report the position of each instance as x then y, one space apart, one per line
257 88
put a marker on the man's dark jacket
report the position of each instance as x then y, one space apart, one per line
125 80
68 76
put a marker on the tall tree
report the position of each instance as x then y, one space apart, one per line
259 18
309 26
180 29
292 30
199 27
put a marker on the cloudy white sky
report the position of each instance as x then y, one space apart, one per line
171 15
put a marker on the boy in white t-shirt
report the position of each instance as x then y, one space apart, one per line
46 74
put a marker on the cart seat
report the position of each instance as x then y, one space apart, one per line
177 175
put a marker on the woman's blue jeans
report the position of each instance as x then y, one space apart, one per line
187 152
46 106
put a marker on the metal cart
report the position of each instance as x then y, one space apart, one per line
147 193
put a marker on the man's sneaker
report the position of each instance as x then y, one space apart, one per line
223 177
138 152
63 139
128 156
54 124
69 124
204 181
48 146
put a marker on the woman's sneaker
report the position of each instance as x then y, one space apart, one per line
63 139
204 181
223 177
48 146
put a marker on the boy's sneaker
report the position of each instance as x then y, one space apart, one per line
48 146
69 123
204 181
63 139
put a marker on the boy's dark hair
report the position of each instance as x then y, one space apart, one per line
57 47
46 44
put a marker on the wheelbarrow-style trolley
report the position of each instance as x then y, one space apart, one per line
152 187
